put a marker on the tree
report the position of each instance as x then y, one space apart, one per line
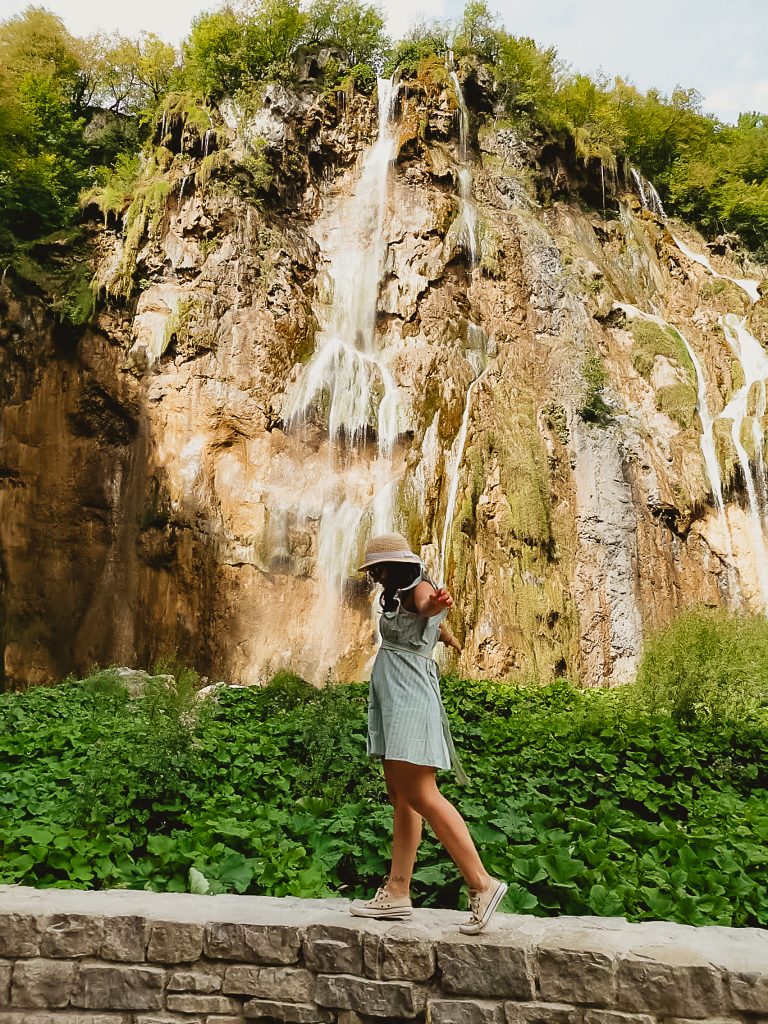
355 28
480 31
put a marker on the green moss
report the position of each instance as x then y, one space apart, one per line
524 479
755 398
490 249
557 421
728 296
725 450
678 401
652 340
189 328
594 408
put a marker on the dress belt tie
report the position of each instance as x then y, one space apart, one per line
461 776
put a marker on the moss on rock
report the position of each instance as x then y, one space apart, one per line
678 401
652 340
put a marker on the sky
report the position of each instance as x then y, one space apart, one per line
716 47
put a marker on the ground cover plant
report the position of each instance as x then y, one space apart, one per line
632 802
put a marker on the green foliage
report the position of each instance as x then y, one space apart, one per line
652 340
707 666
425 40
588 802
594 408
678 401
354 28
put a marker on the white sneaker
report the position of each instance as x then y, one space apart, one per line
482 906
383 905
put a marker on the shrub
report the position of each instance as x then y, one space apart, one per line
707 666
594 408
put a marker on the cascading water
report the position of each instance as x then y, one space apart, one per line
346 380
476 338
453 487
707 439
467 209
649 197
754 364
747 284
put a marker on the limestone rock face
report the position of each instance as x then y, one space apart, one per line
156 496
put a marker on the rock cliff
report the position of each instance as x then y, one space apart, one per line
304 335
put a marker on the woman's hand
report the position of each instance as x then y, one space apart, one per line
431 602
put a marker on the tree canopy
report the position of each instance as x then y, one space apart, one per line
71 108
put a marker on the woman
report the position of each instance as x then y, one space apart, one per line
408 729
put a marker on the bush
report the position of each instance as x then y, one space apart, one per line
707 666
588 802
594 408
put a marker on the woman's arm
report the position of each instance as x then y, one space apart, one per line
429 601
447 637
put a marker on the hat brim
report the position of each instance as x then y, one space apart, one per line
384 557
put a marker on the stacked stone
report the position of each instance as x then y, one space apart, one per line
140 958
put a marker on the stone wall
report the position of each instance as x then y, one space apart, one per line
125 957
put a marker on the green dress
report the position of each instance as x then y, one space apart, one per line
406 717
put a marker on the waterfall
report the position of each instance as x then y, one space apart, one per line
746 284
467 208
346 367
454 472
347 381
707 439
754 364
650 201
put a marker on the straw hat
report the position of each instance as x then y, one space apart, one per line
388 547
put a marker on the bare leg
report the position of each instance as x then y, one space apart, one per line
416 785
406 836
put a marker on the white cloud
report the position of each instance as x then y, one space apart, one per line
731 100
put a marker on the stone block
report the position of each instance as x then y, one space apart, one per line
670 989
329 950
541 1013
72 935
194 981
174 942
616 1017
289 984
391 957
61 1017
748 991
170 1018
710 1020
5 982
465 1011
125 938
107 986
19 935
373 998
290 1013
216 1019
252 943
486 971
191 1003
42 983
576 976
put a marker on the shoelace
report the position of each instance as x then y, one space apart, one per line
474 905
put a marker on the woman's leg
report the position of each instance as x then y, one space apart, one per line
416 785
406 836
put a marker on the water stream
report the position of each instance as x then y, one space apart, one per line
347 383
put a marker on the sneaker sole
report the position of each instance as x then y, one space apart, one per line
498 896
397 913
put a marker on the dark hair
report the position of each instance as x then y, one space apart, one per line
399 575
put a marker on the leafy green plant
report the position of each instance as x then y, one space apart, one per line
707 666
588 802
594 408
